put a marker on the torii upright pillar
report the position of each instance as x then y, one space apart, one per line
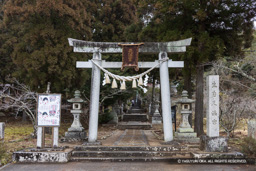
162 48
165 98
94 97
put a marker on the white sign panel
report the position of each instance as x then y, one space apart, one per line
213 106
48 109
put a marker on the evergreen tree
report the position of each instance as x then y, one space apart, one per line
35 36
111 18
6 64
218 27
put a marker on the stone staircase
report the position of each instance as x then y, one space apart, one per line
134 119
118 153
136 110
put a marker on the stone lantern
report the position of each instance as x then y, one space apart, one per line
185 130
76 131
156 118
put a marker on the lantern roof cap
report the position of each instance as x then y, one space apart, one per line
77 98
185 98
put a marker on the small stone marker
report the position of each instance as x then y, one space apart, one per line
213 106
252 128
2 126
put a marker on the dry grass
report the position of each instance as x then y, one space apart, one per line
18 137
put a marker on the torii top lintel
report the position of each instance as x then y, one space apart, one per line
112 47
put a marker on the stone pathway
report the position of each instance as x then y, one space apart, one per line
132 137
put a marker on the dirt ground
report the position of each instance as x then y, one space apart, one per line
18 136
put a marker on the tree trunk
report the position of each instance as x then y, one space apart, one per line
187 82
152 96
199 110
24 117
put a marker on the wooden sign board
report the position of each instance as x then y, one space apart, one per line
48 110
130 55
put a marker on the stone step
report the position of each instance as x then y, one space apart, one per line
138 148
136 111
130 154
134 125
127 159
135 117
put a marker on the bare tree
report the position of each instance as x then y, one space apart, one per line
233 109
219 67
19 97
236 98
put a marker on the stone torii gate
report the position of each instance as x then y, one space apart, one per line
160 48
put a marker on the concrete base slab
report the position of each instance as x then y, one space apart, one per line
48 155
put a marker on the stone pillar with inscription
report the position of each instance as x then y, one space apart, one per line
213 142
212 106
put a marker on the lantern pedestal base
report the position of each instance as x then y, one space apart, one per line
75 129
185 130
72 136
156 120
185 135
